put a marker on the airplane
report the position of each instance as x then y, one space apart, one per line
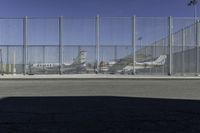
78 65
124 65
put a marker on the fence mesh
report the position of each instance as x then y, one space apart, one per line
90 45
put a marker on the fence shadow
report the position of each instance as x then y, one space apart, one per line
98 114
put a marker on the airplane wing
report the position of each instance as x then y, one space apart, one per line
121 63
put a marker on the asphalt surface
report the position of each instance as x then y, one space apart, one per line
100 106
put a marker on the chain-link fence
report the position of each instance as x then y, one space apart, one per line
111 45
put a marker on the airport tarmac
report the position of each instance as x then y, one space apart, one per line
100 106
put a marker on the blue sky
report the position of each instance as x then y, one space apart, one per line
51 8
112 31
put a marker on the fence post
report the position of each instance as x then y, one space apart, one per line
43 56
197 46
2 68
163 42
170 44
155 55
115 52
25 43
183 49
133 42
60 45
97 41
7 61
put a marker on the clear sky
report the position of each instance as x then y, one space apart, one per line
51 8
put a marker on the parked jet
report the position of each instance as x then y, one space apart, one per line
124 65
78 65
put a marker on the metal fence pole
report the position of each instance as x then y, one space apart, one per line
2 68
197 47
115 52
7 61
183 50
61 45
155 55
25 43
133 42
163 52
43 56
97 41
170 44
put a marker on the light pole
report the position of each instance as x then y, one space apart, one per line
194 3
140 39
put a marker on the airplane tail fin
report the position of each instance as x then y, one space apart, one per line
160 60
81 58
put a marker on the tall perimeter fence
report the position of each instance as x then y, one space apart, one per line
115 45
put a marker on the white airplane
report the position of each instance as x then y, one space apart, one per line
78 65
124 65
160 61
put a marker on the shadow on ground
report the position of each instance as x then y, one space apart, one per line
98 115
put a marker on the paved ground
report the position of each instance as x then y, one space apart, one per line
181 89
96 76
113 106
